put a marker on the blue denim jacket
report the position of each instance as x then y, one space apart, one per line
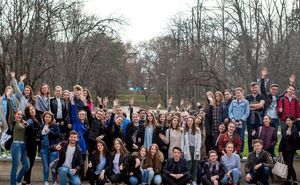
239 110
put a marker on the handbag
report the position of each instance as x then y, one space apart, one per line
6 139
280 168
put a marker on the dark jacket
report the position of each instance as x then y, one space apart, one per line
33 135
97 128
160 143
53 107
29 138
94 163
226 109
123 160
135 170
130 129
209 171
77 161
174 167
288 142
53 135
208 120
264 157
268 97
113 131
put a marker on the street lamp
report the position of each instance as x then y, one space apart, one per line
163 74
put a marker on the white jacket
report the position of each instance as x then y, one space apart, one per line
186 148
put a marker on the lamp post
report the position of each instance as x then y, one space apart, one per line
163 74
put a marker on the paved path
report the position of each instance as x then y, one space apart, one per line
5 165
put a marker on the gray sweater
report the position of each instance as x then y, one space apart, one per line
231 162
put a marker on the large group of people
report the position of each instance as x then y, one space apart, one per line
78 139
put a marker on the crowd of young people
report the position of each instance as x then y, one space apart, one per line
193 145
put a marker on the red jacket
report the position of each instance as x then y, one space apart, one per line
291 108
224 139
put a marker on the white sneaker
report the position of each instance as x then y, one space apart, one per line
4 155
55 183
194 183
46 183
9 155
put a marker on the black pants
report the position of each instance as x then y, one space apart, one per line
209 143
92 178
31 155
206 180
168 180
117 178
289 160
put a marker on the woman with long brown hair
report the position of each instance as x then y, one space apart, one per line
42 101
149 129
173 135
99 164
199 122
87 95
32 119
160 133
50 135
190 144
20 131
119 162
26 97
153 166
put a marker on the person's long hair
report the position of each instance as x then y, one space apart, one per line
123 150
97 152
218 93
88 97
153 123
207 101
187 129
40 90
154 161
50 114
35 118
162 123
31 96
178 125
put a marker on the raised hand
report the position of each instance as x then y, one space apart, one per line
23 77
115 102
181 101
71 97
105 101
264 72
170 100
292 79
99 100
158 106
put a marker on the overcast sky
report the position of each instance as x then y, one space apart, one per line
146 18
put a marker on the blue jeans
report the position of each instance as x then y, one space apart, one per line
235 174
275 123
149 176
64 173
241 132
18 153
47 158
133 180
262 175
